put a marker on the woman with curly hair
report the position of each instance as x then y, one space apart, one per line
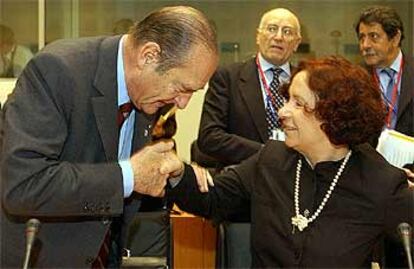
324 197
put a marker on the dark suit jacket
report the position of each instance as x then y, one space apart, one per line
405 119
233 122
369 200
405 125
59 156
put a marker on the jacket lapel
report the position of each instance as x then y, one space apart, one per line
407 87
251 93
105 106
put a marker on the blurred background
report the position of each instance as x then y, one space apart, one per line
327 28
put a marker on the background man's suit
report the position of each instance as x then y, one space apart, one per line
405 118
233 122
405 124
66 141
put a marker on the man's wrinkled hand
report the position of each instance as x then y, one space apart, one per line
152 166
171 165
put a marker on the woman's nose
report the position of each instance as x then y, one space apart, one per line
282 111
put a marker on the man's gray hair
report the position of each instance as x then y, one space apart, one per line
176 30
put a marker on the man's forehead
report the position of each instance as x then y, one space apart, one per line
280 18
371 27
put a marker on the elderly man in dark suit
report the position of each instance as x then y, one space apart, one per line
380 33
240 108
67 161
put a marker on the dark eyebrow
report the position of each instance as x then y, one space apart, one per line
299 98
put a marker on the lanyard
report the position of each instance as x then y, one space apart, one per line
394 91
269 95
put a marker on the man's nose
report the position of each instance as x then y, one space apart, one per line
278 35
365 43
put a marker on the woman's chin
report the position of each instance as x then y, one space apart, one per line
290 143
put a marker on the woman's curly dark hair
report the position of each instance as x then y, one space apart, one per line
348 102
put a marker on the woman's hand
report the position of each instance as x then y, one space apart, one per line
204 178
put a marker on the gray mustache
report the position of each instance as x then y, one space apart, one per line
367 52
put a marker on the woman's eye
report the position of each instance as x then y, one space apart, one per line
298 103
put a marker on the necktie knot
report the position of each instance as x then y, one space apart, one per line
389 71
277 71
123 112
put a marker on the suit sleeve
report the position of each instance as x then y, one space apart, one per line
214 137
35 180
229 197
399 208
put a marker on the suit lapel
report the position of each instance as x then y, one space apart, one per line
407 87
251 93
105 106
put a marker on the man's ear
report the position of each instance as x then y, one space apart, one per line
396 39
149 53
257 36
298 41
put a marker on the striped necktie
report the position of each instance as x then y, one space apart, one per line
274 102
388 91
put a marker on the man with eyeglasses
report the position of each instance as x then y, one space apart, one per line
240 108
380 33
77 151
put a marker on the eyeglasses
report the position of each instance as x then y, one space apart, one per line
287 32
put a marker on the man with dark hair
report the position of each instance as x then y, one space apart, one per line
380 33
240 108
76 151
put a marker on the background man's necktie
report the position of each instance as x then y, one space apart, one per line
274 102
390 73
388 96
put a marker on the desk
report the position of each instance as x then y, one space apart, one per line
194 242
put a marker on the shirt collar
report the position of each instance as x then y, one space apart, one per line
266 66
396 64
123 96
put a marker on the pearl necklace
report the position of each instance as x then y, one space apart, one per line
300 221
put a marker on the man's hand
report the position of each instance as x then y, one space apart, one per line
204 178
153 165
410 177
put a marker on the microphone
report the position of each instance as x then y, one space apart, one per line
32 226
404 229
